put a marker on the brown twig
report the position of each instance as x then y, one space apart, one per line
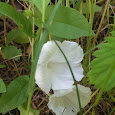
13 4
95 38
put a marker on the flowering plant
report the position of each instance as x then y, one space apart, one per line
53 73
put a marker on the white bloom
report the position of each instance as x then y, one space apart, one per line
52 70
64 102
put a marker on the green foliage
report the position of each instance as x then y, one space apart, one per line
16 94
2 66
1 45
85 6
18 36
28 13
39 4
38 47
38 22
0 14
11 51
23 111
18 17
102 63
68 23
113 33
2 86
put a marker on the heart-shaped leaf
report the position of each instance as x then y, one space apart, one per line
11 52
68 23
18 17
16 94
39 4
18 36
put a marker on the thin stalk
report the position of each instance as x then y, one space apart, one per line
44 38
5 28
95 38
67 3
43 17
112 111
13 4
32 60
88 110
87 57
78 4
114 24
77 90
94 48
43 11
16 68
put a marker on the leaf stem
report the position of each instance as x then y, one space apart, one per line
67 3
41 42
77 90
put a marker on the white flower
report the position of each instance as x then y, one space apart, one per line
64 102
52 70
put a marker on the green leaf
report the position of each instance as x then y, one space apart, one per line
1 14
39 4
68 23
113 33
11 52
18 36
2 86
38 22
2 66
16 94
1 45
101 64
28 13
18 17
23 111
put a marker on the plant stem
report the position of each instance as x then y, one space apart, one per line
16 68
30 92
95 38
67 3
44 38
43 11
77 90
78 4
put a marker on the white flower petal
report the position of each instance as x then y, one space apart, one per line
52 69
62 78
47 52
42 78
72 51
65 101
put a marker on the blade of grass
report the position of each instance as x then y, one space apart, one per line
75 82
78 4
95 38
43 39
67 3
